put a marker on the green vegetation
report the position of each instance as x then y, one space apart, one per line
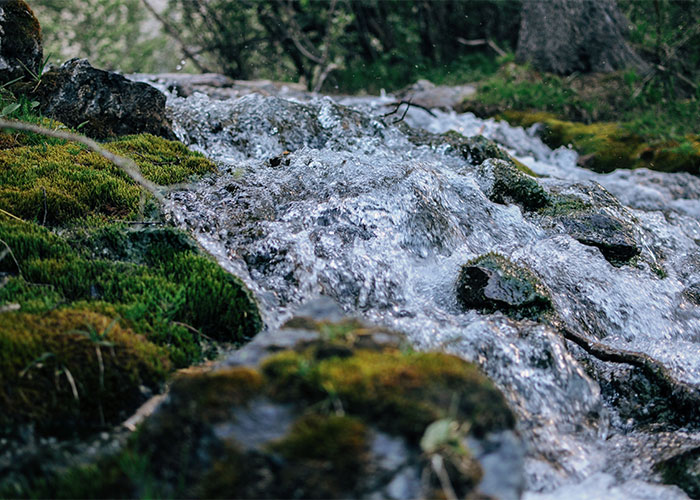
59 183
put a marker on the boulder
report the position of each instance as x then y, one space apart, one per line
20 41
103 104
493 283
329 408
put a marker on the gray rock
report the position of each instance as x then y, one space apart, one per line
102 103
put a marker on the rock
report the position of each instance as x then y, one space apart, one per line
565 36
327 409
104 103
502 182
603 231
493 283
427 94
683 470
21 52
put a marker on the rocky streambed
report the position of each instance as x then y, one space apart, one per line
331 197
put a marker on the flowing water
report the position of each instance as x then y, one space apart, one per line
316 197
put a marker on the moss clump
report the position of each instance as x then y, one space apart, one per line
60 183
403 392
155 281
504 183
73 368
329 451
492 283
606 146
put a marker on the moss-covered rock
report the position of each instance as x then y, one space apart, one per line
59 183
606 146
72 368
491 283
684 471
503 183
318 419
20 41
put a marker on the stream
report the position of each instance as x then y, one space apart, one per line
326 196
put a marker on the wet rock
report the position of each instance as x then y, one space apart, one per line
503 183
684 471
692 293
102 103
603 231
21 51
598 222
491 283
282 418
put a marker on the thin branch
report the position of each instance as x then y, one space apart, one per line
408 105
127 165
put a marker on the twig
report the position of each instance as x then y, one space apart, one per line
408 105
9 250
483 41
127 165
12 216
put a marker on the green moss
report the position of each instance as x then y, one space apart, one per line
155 281
336 445
561 205
59 183
511 185
606 146
71 367
402 392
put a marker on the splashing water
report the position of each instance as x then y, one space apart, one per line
314 197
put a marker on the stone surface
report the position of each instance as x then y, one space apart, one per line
491 282
20 41
332 409
606 232
103 104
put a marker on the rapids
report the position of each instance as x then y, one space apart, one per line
317 196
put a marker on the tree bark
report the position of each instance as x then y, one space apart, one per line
567 36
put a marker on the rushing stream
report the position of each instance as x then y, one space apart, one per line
314 197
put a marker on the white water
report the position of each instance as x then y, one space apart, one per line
357 212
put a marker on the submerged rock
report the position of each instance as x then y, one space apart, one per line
491 283
331 410
20 41
103 104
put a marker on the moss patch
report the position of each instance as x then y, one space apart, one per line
402 392
683 471
73 367
606 146
60 183
154 280
504 183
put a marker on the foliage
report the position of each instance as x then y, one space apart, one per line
113 34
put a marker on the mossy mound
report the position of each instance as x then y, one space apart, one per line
59 183
73 368
20 41
311 421
154 280
607 146
492 283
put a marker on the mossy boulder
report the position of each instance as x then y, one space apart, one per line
72 369
599 223
21 50
320 409
503 183
606 146
492 283
59 183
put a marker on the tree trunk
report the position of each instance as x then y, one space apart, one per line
565 36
